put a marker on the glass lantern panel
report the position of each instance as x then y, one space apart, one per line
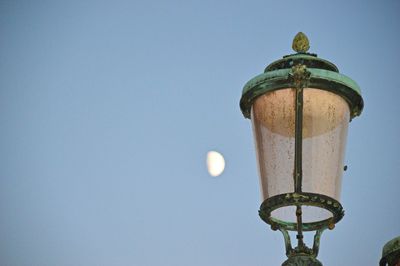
325 122
272 116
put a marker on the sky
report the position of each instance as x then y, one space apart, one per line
108 109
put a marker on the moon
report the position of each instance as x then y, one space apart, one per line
215 163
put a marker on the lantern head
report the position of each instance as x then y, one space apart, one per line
300 108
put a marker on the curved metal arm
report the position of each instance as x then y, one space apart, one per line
288 243
317 238
312 252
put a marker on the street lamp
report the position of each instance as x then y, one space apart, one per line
300 109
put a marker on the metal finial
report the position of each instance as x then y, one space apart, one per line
300 43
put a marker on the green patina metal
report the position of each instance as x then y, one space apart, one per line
391 253
301 199
301 78
319 78
302 261
324 75
301 71
310 60
302 249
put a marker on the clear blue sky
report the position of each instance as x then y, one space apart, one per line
107 111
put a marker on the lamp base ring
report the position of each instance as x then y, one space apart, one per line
301 199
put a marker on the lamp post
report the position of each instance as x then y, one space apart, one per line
300 108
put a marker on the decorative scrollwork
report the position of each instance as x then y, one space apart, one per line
300 76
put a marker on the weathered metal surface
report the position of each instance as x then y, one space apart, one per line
319 79
324 75
301 249
317 239
302 261
309 60
391 252
301 199
300 77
